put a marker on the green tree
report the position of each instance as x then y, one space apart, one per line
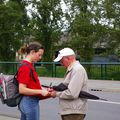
93 22
83 30
47 24
23 24
8 19
12 29
112 15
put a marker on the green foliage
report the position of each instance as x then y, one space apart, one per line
83 30
88 24
112 14
94 23
47 24
12 29
43 71
9 16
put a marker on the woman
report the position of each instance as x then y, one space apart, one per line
29 85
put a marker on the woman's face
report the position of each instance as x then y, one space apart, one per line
38 55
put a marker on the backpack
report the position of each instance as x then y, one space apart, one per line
9 91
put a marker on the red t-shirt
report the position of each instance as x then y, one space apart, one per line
24 76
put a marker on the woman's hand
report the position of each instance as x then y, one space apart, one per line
45 92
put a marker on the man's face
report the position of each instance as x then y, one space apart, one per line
65 61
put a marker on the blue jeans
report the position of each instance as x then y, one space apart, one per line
29 108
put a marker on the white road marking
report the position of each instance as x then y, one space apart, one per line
109 102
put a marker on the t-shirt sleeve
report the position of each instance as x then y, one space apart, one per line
24 75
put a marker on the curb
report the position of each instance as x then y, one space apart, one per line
9 116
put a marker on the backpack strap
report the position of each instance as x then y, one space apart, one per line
31 70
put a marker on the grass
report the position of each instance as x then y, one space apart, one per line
44 72
108 72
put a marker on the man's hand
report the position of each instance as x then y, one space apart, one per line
52 92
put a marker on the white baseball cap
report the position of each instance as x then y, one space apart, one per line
64 52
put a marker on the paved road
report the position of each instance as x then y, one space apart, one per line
104 85
108 110
101 110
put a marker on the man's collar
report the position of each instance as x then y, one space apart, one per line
71 66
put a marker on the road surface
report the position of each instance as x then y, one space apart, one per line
102 110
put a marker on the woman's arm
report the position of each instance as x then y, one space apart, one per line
27 91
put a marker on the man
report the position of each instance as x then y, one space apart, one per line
71 106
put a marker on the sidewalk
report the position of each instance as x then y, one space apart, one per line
94 85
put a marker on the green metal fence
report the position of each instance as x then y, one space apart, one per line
103 71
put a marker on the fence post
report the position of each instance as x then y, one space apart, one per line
52 70
105 71
101 71
55 69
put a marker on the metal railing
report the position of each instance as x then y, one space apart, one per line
95 70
